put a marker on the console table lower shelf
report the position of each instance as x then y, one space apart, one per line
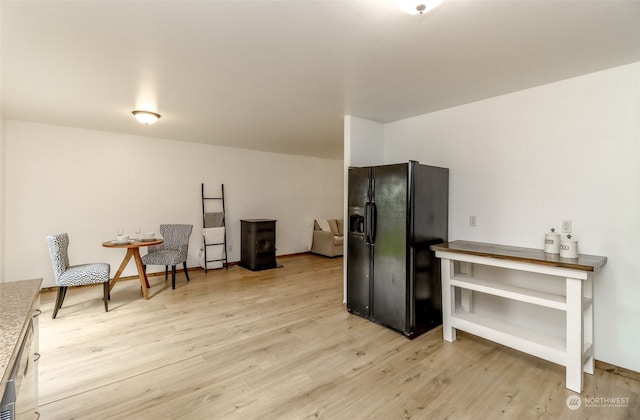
574 351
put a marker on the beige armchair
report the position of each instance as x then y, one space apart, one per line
328 237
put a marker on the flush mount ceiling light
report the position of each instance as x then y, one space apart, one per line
146 117
414 7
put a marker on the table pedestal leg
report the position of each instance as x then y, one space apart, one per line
124 263
144 283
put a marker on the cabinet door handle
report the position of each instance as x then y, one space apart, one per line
36 357
37 313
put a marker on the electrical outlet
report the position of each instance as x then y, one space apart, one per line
473 221
566 226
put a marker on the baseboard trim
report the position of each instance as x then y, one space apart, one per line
160 273
624 372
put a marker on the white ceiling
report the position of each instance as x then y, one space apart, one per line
280 75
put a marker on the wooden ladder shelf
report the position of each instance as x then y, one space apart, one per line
214 220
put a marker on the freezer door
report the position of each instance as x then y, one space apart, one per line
430 221
390 288
358 248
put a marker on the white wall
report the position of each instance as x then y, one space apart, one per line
363 142
2 194
2 164
525 161
90 183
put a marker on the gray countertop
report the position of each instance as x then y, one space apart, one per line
17 301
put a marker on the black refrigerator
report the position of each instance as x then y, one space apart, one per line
395 213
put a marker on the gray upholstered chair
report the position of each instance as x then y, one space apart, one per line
74 275
171 252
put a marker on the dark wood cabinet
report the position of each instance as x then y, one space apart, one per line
258 244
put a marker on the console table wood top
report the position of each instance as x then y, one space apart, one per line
584 262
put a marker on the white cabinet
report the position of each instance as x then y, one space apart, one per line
574 297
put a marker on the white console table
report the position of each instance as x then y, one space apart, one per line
575 352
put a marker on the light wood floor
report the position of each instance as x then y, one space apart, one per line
279 344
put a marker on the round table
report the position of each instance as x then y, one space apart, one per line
133 250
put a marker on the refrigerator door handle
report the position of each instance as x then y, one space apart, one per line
367 217
373 221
